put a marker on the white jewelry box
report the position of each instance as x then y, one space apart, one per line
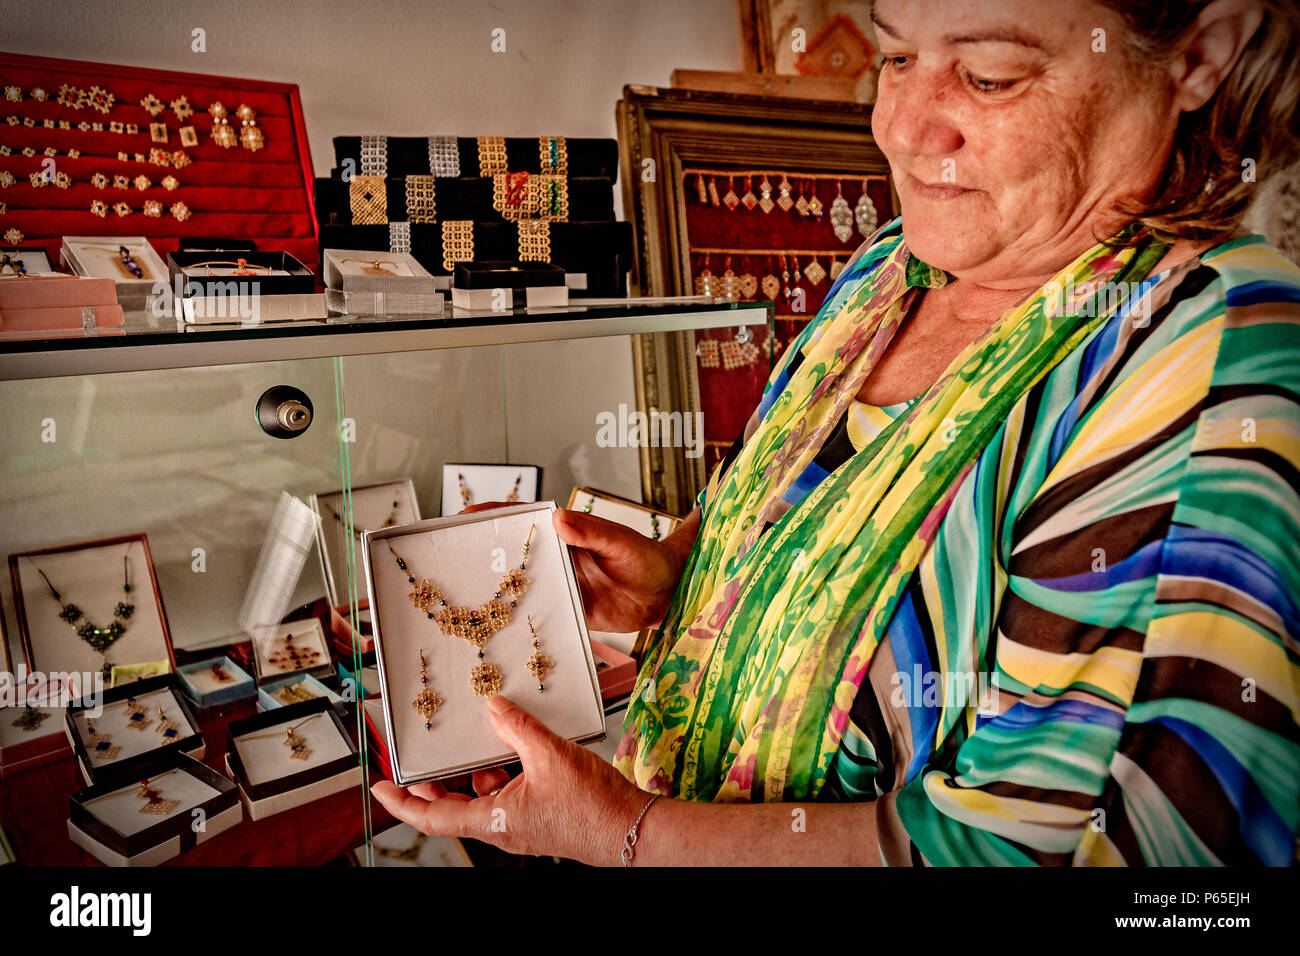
487 483
377 505
466 557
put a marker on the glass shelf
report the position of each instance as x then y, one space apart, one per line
149 342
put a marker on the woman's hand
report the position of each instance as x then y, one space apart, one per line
627 580
567 802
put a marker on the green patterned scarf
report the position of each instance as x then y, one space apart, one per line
745 691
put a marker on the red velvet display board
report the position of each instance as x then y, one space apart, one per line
263 195
751 242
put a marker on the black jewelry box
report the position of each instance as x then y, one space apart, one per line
191 745
216 244
323 779
289 714
591 199
409 155
602 251
506 275
300 279
83 822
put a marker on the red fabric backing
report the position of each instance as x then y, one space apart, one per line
729 396
264 196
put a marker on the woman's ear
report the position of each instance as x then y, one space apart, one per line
1216 40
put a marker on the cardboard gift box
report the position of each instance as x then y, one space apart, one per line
595 256
412 155
372 709
500 286
91 575
216 682
376 505
347 640
294 647
23 261
363 685
293 690
128 730
615 671
129 261
468 483
359 270
31 736
244 287
654 524
105 819
468 558
319 759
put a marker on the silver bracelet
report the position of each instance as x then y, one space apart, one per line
629 841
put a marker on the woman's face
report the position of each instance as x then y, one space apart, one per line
1010 133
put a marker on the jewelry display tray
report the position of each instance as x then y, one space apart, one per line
582 715
299 279
167 838
191 745
295 789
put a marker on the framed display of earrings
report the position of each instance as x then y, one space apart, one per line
129 725
381 504
146 817
452 600
468 483
696 234
289 756
91 610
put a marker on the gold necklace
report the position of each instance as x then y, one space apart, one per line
474 624
297 745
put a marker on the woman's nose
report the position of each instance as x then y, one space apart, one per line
913 118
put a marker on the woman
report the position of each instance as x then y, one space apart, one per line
1004 570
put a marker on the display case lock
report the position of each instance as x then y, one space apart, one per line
284 411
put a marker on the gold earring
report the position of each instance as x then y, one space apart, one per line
168 728
426 702
250 137
102 747
539 665
222 134
137 716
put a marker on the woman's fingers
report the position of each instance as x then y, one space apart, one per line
452 815
485 781
484 506
430 790
522 732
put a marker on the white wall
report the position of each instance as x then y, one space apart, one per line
175 454
403 67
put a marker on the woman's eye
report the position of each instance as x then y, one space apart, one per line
894 61
988 86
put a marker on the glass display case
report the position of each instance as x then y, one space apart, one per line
179 512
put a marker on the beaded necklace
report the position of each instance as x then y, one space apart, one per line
99 638
473 624
388 522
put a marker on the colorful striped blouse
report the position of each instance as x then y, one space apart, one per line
1098 659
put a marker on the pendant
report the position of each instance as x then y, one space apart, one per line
748 286
298 749
771 287
865 214
485 679
137 716
704 284
31 719
841 217
814 273
765 203
154 803
784 200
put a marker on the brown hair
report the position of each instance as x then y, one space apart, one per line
1203 193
